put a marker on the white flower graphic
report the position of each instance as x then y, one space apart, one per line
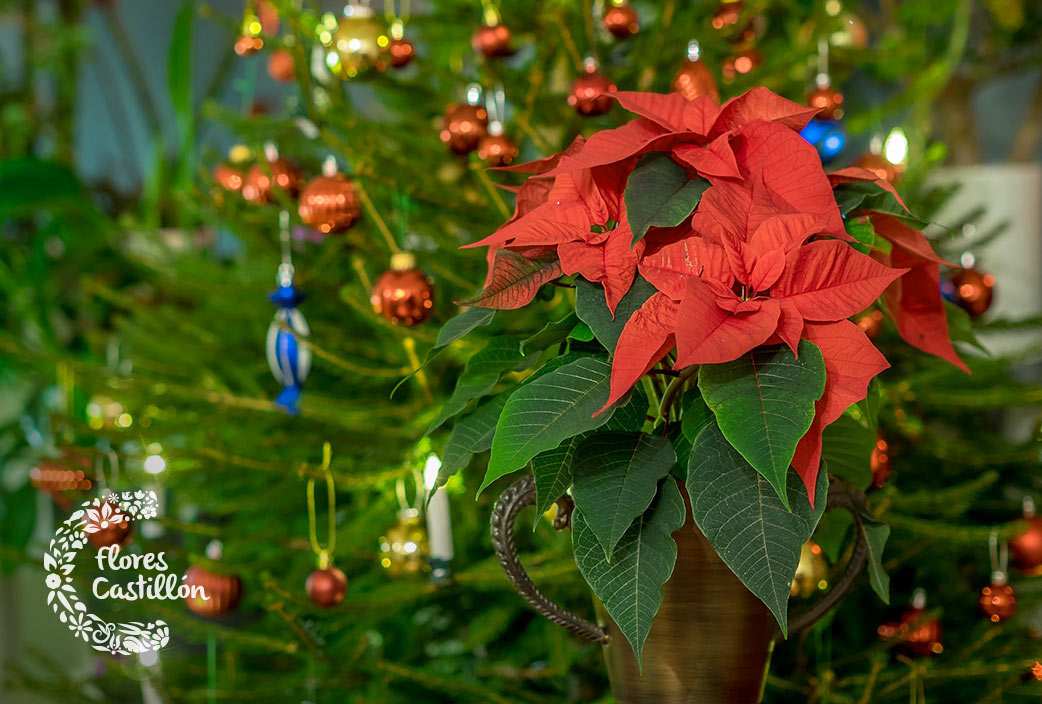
100 519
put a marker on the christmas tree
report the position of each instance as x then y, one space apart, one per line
139 351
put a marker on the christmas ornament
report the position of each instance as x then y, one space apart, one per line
878 165
727 14
465 124
329 202
871 323
496 148
825 132
268 15
972 291
228 177
621 19
105 412
694 78
403 547
403 294
107 525
400 51
741 63
224 591
997 600
828 100
880 461
811 573
588 93
280 66
920 636
327 585
851 32
289 356
258 185
1036 671
354 42
52 476
249 40
1026 547
492 40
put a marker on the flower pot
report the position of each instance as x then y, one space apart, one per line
711 639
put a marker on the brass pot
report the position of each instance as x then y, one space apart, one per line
711 639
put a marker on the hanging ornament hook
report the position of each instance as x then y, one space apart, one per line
324 555
106 484
822 79
999 558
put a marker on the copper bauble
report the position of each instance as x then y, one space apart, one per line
1025 549
811 573
326 587
401 52
492 40
463 127
106 525
997 600
403 294
828 100
973 291
871 323
879 166
851 32
880 461
621 20
497 150
52 476
693 79
280 66
403 548
257 186
741 63
246 45
589 94
727 14
228 177
919 635
329 204
224 592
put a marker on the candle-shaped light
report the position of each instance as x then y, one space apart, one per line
439 523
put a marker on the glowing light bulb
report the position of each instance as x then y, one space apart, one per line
154 464
895 149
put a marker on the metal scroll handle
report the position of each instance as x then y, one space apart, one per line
522 493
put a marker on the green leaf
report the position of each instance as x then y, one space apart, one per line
862 231
659 194
581 332
696 414
482 372
553 474
876 534
764 403
545 411
515 280
552 334
960 327
616 476
831 532
847 450
592 309
28 185
865 195
462 324
470 436
630 586
631 412
752 531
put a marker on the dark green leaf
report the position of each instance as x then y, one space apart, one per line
553 473
659 194
764 403
551 334
545 411
876 534
696 414
469 436
865 195
847 450
831 532
631 412
630 586
460 325
960 327
616 476
28 185
750 528
592 309
483 370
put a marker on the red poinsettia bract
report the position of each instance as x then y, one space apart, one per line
764 258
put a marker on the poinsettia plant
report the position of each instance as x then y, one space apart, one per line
716 268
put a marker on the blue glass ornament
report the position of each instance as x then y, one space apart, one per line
827 136
288 353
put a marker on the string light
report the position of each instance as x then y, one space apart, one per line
895 148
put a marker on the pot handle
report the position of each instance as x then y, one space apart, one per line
516 497
844 496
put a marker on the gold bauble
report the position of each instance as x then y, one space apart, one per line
811 573
403 548
357 43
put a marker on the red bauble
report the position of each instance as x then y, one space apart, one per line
326 587
329 204
463 127
401 52
727 14
1025 549
871 323
621 20
920 636
268 15
973 291
257 186
492 40
497 150
694 79
246 45
403 294
280 66
997 600
880 461
107 525
828 100
228 177
589 93
879 166
224 592
1036 671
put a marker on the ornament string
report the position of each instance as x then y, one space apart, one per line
100 479
822 79
323 554
999 553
